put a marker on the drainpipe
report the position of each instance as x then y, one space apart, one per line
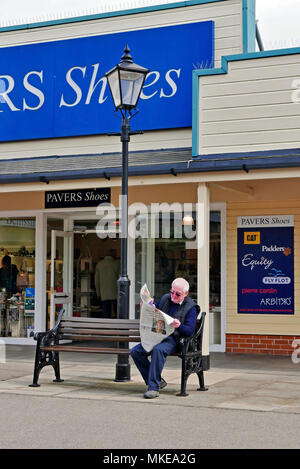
258 38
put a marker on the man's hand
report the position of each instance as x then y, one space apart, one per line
176 323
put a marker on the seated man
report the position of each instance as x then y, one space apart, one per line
179 305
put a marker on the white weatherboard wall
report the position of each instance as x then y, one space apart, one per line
251 107
227 16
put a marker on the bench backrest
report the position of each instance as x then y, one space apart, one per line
76 328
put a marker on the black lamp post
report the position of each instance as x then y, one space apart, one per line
125 82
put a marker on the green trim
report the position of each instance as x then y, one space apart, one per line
111 14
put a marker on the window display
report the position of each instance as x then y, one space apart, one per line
17 277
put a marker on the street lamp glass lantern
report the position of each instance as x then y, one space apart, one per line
126 81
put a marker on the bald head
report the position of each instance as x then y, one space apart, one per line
181 284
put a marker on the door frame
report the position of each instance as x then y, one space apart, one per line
66 296
221 207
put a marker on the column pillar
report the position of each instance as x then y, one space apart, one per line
203 264
40 272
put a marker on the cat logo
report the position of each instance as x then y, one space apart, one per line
252 237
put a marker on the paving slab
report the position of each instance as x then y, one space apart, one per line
263 384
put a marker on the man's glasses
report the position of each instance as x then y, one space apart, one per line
176 293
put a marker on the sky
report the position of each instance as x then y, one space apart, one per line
278 20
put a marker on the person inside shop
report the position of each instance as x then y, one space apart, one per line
179 305
8 275
106 276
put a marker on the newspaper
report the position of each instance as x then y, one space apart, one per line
155 325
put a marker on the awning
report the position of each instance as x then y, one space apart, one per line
141 163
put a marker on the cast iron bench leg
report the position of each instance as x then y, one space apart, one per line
201 381
56 367
37 368
184 377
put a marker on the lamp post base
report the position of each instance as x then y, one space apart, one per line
122 365
123 297
122 369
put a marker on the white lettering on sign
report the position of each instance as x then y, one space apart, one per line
93 86
76 78
276 302
74 86
96 197
276 280
171 83
248 261
272 248
73 197
4 93
34 91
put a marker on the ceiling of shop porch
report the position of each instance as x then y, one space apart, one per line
243 191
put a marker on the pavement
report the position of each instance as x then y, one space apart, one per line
253 402
242 382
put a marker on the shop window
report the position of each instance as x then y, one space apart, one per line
160 259
170 253
17 276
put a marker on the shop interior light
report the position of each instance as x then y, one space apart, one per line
188 220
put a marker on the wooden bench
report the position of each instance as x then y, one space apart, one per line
116 332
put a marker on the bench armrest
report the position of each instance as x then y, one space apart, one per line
193 345
52 334
39 335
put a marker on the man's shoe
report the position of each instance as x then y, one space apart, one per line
163 384
151 394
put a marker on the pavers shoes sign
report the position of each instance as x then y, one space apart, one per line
57 89
77 198
266 264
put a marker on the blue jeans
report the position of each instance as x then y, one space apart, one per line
151 370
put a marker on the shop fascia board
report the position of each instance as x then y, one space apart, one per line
214 177
223 70
248 8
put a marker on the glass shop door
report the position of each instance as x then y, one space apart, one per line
61 275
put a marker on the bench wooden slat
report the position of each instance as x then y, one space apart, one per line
69 330
65 348
99 326
111 338
99 320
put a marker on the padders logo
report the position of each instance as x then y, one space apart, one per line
252 237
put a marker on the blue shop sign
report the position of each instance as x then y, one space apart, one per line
266 265
57 89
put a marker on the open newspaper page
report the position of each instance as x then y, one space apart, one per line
155 325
